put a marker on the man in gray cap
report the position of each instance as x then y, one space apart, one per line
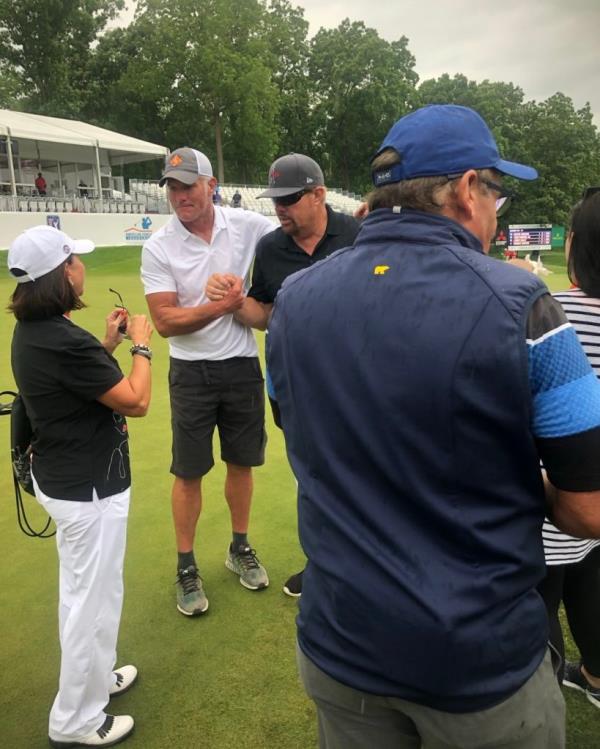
309 231
420 382
215 378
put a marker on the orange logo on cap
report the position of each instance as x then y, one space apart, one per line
175 160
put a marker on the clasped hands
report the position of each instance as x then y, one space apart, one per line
226 289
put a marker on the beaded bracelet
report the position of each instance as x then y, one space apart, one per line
141 350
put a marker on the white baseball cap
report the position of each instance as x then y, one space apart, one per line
41 249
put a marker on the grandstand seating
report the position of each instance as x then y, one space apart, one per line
337 199
147 197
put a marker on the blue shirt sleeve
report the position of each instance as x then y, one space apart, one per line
566 399
565 389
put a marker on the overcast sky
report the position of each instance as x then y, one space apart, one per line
543 46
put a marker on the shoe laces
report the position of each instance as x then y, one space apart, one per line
106 727
247 558
188 579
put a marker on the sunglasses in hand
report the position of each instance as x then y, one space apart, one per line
121 305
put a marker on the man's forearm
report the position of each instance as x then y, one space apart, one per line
254 314
172 321
575 513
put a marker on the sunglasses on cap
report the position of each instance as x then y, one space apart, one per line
286 200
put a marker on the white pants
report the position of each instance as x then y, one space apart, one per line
90 538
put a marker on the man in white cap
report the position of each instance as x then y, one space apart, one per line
215 378
420 382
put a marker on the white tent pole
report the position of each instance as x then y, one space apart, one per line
60 183
11 166
99 177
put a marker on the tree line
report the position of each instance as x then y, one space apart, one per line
242 81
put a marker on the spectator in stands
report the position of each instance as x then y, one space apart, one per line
309 231
217 197
236 200
83 189
419 382
40 184
215 377
573 564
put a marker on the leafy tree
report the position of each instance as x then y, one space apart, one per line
362 84
200 72
10 87
564 146
47 45
289 59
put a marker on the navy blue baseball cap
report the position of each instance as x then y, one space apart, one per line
443 139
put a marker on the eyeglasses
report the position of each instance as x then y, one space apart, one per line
286 200
502 191
120 305
120 298
505 198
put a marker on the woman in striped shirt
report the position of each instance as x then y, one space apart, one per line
573 564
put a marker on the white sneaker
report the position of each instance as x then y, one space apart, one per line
115 728
125 678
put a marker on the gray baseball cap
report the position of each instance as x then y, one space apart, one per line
292 173
186 165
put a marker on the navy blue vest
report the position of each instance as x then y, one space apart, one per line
401 372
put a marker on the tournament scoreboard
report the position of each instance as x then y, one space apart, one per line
529 237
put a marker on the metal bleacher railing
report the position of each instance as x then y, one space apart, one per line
145 196
337 199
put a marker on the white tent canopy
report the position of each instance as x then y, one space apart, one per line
32 142
46 130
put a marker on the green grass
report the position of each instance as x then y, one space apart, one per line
226 679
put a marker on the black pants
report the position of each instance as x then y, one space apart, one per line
578 586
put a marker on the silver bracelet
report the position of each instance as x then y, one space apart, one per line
142 351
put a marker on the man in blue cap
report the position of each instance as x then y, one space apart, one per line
420 382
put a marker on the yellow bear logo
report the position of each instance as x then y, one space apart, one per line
380 270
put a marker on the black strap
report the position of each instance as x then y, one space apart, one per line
24 524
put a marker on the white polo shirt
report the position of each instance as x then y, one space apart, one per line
175 260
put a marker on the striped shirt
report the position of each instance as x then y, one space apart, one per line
583 313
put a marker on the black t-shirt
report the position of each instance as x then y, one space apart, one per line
78 443
278 256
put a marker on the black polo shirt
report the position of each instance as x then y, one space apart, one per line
79 444
278 256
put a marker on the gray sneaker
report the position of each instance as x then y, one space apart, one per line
244 563
191 599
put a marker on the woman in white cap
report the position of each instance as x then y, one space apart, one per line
76 398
